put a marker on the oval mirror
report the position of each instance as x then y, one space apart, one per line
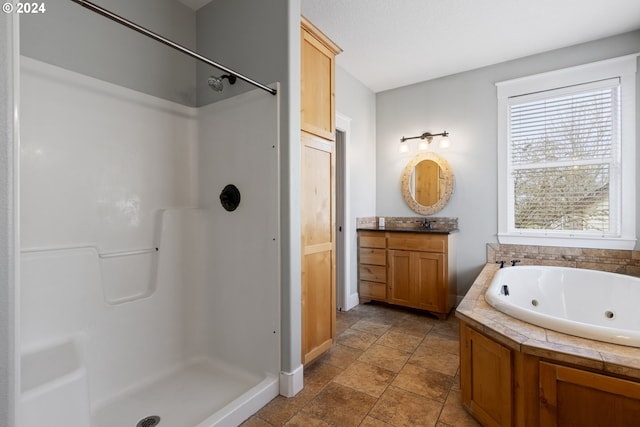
427 183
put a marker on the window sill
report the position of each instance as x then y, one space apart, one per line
565 241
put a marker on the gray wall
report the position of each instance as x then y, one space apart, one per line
465 104
246 36
8 232
72 37
358 103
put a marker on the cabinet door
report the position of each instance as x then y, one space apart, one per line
317 84
429 291
318 247
485 378
573 397
399 277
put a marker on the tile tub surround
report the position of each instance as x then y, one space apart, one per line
408 222
613 261
530 339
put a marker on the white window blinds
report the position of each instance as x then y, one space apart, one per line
563 157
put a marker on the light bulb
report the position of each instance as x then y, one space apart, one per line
423 146
444 142
403 147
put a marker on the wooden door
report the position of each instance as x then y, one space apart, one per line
485 378
572 397
429 288
318 246
399 277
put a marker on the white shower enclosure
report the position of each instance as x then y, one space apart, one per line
144 301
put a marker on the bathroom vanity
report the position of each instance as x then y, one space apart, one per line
411 267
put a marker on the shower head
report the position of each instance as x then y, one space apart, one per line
215 83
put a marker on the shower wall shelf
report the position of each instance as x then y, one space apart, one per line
132 25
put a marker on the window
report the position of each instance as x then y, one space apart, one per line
566 157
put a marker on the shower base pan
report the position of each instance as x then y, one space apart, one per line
202 394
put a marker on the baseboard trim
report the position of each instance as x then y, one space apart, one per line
291 383
352 301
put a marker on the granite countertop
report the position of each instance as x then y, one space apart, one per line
435 230
541 342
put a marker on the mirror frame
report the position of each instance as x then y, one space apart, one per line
447 191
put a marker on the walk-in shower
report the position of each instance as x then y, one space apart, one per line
144 302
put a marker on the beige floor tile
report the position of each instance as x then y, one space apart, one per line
341 356
390 367
436 360
385 357
425 382
413 325
370 309
281 409
442 342
374 328
340 406
356 339
401 408
366 378
454 414
372 422
342 324
256 422
305 420
400 341
319 374
456 381
449 327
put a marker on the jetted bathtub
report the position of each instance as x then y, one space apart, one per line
586 303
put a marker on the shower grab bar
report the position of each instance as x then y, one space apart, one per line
108 14
128 253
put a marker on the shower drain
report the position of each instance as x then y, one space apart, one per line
151 421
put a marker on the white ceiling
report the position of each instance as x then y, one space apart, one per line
393 43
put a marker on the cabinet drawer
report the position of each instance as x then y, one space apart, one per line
373 256
373 290
377 240
424 243
375 273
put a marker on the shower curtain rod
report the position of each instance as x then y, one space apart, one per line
107 14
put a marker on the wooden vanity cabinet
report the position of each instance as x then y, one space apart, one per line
417 279
504 387
486 378
419 269
575 397
372 266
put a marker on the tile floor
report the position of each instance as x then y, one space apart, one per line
389 367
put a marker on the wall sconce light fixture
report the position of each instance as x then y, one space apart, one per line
425 140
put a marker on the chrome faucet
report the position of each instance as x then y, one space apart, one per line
427 224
